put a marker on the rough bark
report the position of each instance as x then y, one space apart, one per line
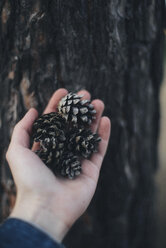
114 49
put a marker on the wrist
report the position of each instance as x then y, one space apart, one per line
42 217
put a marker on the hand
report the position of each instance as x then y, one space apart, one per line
52 203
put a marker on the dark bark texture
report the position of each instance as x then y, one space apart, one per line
114 49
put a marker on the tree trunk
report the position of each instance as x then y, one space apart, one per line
114 49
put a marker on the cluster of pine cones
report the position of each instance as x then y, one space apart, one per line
65 136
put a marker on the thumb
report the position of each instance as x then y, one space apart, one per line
22 131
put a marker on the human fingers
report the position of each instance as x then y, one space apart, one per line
22 130
104 132
53 102
85 93
99 107
91 168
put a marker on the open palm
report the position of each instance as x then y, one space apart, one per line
62 199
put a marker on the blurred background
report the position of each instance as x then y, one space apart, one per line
114 49
161 175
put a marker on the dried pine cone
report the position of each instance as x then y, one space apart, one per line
75 110
69 166
83 142
49 125
50 130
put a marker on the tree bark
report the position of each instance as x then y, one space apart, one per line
114 49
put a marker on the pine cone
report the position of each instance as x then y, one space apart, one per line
75 110
50 130
49 125
69 166
83 142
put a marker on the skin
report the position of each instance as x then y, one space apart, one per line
51 203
